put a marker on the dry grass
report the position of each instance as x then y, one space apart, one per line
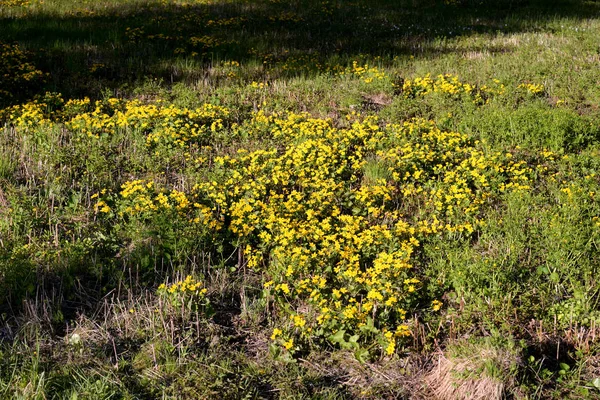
478 372
476 55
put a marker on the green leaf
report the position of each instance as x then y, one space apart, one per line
362 355
338 337
369 327
274 350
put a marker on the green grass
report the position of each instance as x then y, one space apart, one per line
82 313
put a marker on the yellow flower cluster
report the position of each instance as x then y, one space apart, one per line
14 3
532 88
188 285
188 292
168 125
40 111
466 175
451 86
391 337
232 63
141 198
96 67
258 85
233 21
204 41
26 115
364 72
17 72
337 243
101 206
332 217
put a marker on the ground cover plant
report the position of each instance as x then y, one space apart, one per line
299 199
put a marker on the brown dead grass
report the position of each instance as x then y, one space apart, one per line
467 377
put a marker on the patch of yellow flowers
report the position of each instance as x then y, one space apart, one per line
187 292
336 247
331 217
165 124
187 285
141 198
365 72
450 85
532 88
17 71
14 3
335 242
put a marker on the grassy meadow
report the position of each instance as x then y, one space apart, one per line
299 199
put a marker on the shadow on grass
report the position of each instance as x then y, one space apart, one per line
91 47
